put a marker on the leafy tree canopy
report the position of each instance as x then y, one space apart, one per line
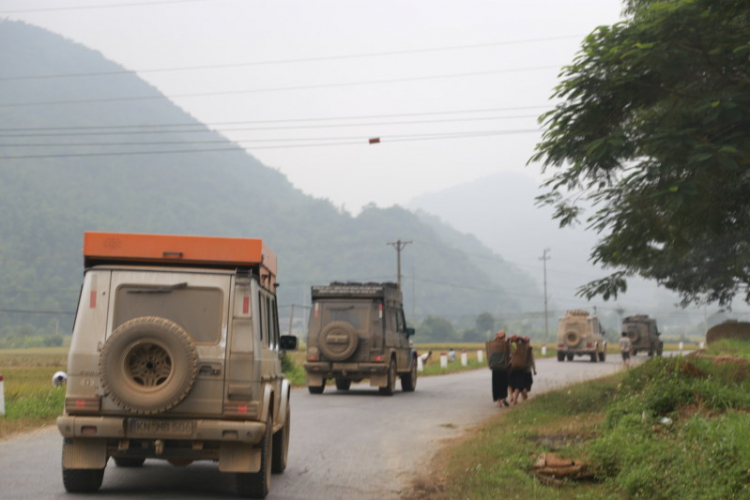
652 130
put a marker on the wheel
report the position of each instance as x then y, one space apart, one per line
129 461
561 356
317 389
593 357
603 356
258 484
389 389
570 357
148 365
409 381
338 340
281 444
343 384
82 480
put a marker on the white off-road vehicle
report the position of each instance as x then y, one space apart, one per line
580 334
176 356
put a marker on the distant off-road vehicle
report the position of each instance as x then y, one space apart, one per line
643 334
580 334
175 356
358 331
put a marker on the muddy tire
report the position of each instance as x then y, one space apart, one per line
561 356
409 380
258 484
281 444
317 389
594 357
148 365
82 480
343 384
129 461
570 357
603 356
390 388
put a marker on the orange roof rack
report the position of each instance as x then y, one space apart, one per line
192 251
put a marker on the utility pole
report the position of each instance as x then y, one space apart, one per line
398 245
544 258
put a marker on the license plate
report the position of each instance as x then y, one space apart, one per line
159 428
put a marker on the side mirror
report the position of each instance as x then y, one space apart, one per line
288 343
410 332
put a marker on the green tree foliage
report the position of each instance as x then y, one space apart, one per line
652 129
436 329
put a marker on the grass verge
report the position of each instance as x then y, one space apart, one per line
670 428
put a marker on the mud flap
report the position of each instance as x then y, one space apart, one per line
314 380
379 379
239 457
84 453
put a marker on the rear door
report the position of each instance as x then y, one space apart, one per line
197 302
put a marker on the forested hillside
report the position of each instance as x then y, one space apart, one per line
87 145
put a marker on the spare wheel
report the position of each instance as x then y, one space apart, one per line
338 340
572 338
148 365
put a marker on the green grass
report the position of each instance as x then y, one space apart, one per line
669 428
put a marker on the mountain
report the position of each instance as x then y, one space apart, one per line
86 144
500 211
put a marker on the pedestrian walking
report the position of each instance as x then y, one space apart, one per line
519 362
626 346
530 371
498 358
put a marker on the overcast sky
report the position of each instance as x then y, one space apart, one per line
451 88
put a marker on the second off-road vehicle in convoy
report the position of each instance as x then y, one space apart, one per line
175 356
358 331
643 334
580 334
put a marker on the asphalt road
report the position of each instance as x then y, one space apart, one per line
354 444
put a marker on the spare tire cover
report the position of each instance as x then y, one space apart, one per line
148 365
338 340
572 338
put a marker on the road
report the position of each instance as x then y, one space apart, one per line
344 445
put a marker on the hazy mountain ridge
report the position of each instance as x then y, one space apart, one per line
116 179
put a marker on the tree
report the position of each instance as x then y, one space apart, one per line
652 131
485 322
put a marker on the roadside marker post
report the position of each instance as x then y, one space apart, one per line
544 349
2 396
480 355
681 346
443 360
420 364
464 360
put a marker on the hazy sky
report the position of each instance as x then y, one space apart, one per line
451 88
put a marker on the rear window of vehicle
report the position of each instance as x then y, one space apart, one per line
197 310
355 313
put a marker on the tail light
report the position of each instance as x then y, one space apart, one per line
82 405
560 346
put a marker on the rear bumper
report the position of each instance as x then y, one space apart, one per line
327 370
238 431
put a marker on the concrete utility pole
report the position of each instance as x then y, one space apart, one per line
398 245
544 258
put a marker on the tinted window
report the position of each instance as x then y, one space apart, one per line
197 310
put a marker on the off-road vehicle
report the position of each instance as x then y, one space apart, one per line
580 334
643 334
175 355
358 331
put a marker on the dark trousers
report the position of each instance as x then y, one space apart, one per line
499 384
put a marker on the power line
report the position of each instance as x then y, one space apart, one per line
286 61
99 6
425 137
280 89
